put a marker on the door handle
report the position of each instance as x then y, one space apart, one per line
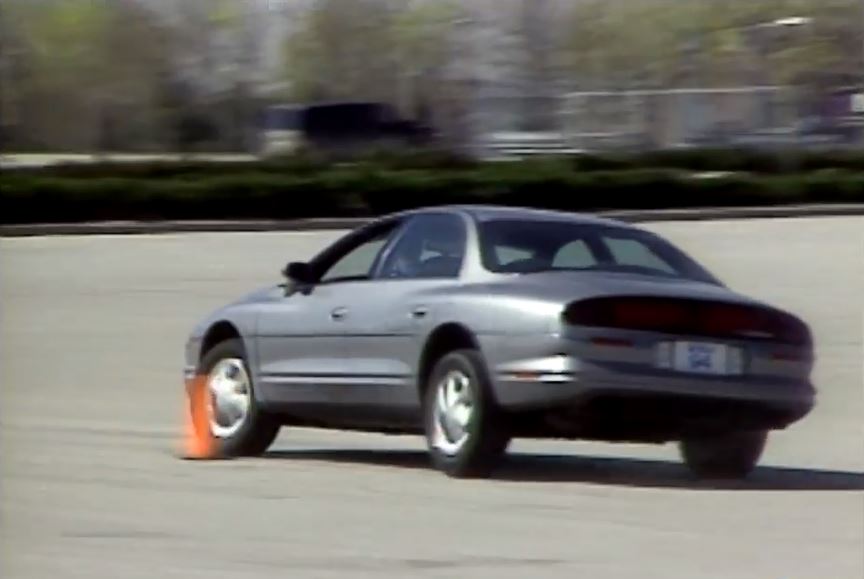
338 314
419 312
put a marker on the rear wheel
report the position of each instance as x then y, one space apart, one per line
465 432
728 456
236 422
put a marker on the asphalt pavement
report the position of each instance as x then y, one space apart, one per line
91 335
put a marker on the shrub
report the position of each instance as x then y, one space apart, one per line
371 190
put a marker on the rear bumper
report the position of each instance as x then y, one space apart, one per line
552 390
652 405
621 379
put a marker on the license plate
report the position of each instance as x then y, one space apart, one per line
701 358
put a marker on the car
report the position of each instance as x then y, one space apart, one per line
475 325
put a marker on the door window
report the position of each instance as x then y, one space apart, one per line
357 263
432 246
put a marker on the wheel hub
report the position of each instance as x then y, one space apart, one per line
454 408
229 390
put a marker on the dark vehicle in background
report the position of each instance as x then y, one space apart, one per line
340 129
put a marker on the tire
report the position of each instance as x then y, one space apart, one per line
483 435
728 456
258 429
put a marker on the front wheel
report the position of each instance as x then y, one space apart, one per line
728 456
236 423
465 432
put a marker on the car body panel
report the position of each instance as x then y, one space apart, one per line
299 342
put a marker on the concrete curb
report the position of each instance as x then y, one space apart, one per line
632 216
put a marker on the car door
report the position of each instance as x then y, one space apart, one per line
388 316
301 337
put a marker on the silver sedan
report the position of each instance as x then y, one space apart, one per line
473 325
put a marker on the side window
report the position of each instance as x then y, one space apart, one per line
574 255
635 253
432 246
357 263
507 255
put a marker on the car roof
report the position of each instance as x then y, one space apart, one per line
482 213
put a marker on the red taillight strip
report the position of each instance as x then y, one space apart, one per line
689 317
611 342
789 356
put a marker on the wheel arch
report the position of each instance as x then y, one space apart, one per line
217 333
446 338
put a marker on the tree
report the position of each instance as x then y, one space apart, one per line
540 65
393 51
343 50
666 43
809 46
12 72
84 75
87 73
423 36
217 56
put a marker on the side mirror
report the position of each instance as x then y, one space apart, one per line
299 273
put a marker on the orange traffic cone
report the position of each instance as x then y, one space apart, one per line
198 443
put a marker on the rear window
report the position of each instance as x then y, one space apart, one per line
526 246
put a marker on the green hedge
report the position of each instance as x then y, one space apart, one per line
362 190
691 160
727 160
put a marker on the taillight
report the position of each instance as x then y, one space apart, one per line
791 357
689 317
638 314
631 313
723 319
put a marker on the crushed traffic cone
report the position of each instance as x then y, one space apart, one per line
198 443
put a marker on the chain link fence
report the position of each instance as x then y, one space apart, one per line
627 120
